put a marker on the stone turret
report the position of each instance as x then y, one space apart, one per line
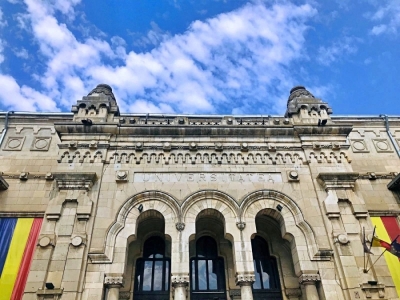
303 107
98 106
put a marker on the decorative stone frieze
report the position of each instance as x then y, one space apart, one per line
115 280
75 181
41 143
179 280
309 279
180 226
245 279
241 225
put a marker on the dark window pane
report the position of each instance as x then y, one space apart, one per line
206 247
265 275
147 275
158 274
202 275
166 288
212 275
257 283
193 275
154 247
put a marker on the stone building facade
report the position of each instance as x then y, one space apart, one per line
138 206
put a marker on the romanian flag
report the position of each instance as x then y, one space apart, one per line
18 238
387 229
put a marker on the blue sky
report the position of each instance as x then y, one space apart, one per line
200 56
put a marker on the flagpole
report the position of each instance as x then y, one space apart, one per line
369 251
376 261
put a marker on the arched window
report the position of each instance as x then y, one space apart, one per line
266 271
152 271
207 271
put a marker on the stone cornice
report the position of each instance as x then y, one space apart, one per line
336 180
75 181
343 129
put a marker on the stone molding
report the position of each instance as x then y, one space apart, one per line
114 280
309 278
27 175
245 279
75 181
337 180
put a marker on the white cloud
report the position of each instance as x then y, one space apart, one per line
387 15
21 53
24 98
2 21
236 61
337 50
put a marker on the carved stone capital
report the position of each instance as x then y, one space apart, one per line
180 280
309 278
245 279
240 225
114 280
180 226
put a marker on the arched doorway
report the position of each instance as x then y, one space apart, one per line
267 283
207 271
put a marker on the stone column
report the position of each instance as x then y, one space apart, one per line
309 282
180 284
245 281
113 282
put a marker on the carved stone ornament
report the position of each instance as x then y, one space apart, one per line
180 226
112 280
309 278
240 225
121 176
242 279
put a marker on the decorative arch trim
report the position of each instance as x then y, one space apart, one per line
295 214
210 195
168 204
